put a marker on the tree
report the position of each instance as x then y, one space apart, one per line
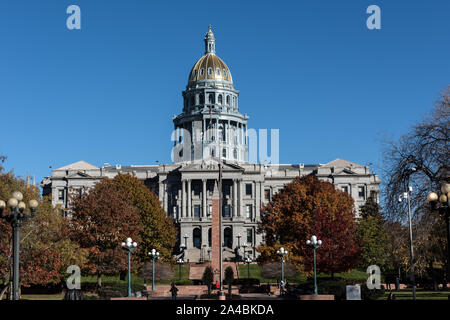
372 237
208 278
273 270
101 220
420 159
158 230
304 207
229 277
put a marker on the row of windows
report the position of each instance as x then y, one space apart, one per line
210 72
226 211
227 237
212 99
361 191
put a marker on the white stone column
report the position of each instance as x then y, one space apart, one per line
183 198
189 197
166 196
204 208
241 211
234 198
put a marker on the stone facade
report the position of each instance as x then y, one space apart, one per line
208 131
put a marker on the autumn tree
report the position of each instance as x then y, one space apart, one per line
157 228
372 237
101 220
304 207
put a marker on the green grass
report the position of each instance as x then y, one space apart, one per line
421 294
356 276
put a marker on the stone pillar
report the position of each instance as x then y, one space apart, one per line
183 198
215 234
241 212
204 203
234 198
189 197
166 196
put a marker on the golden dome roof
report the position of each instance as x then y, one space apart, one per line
210 67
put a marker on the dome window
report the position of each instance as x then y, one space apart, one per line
228 100
209 71
224 73
202 71
218 71
220 98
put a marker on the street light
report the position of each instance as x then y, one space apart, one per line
129 246
16 217
248 260
282 252
442 204
180 263
154 255
315 244
407 195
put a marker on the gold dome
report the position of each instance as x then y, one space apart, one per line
210 67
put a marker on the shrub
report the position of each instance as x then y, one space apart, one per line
208 278
335 287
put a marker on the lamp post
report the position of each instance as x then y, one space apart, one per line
180 263
154 255
442 204
129 246
248 260
407 195
282 252
16 217
315 244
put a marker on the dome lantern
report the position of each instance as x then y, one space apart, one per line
210 42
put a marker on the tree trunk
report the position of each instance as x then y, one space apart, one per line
99 280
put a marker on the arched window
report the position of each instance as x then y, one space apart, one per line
202 98
228 237
197 238
218 71
220 98
213 152
209 71
235 153
210 98
228 100
202 71
224 73
234 101
224 152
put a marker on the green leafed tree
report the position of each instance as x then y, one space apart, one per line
372 237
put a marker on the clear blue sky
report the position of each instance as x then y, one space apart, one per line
107 92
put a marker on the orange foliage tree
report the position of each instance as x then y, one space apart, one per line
304 207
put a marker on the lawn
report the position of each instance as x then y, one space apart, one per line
421 294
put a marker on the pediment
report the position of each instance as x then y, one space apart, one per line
79 175
211 164
345 171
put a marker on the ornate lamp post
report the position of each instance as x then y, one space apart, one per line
283 253
129 246
180 263
154 255
16 217
315 244
407 195
442 204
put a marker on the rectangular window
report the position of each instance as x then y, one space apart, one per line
361 192
211 188
248 210
210 210
197 211
226 211
250 236
267 194
196 189
248 189
226 189
61 194
345 188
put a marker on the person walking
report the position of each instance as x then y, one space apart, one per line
174 291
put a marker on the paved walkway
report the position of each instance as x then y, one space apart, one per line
258 296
